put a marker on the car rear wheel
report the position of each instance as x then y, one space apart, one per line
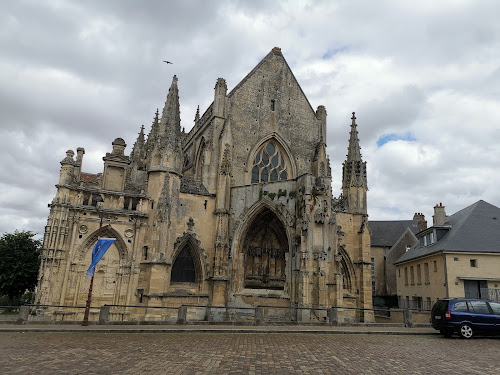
466 331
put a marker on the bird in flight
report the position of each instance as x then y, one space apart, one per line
168 62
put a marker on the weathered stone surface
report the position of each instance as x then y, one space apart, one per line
236 213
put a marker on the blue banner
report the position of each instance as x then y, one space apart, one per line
99 250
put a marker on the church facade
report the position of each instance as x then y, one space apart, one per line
236 213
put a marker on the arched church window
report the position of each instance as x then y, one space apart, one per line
269 164
183 270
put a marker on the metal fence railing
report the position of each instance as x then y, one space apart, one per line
206 314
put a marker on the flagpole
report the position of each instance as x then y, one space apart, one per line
85 322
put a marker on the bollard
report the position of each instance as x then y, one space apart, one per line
182 315
104 315
259 314
22 318
408 318
333 316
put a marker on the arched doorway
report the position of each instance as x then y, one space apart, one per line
264 249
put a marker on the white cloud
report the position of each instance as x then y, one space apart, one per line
83 73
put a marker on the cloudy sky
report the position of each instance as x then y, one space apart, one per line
423 77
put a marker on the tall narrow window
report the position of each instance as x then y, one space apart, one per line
419 274
406 275
269 164
183 269
272 105
412 276
426 273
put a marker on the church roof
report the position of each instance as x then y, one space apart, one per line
90 179
386 233
191 186
475 228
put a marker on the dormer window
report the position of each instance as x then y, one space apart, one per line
428 239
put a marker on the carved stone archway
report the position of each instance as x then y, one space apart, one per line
265 244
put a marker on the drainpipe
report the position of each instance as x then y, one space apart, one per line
445 274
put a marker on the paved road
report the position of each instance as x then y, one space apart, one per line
244 353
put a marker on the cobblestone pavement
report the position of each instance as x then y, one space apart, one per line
244 353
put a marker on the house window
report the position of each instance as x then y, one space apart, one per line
426 273
272 105
473 262
145 252
412 276
399 272
419 275
406 275
435 266
269 164
455 259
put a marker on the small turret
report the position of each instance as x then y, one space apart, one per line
220 97
80 151
321 115
67 169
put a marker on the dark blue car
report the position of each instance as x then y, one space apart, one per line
466 317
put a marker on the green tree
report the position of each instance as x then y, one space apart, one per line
19 263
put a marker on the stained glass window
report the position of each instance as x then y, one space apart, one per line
269 164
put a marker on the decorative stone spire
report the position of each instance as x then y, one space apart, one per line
197 116
354 169
170 123
138 150
354 182
153 133
353 153
167 147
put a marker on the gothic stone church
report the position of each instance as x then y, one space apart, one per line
236 213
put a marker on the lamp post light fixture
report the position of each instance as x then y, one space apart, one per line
100 212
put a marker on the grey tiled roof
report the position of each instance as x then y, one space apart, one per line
473 229
192 186
386 233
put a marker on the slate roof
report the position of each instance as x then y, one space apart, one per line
473 229
192 186
386 233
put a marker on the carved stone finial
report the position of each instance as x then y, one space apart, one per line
190 224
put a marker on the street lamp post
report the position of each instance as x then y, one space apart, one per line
89 297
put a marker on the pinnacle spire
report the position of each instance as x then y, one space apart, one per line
354 169
353 151
170 123
197 116
138 153
153 132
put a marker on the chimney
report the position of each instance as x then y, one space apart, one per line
439 215
419 218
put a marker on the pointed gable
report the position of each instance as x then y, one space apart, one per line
261 67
